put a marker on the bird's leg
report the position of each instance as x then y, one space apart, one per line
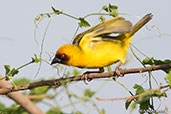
85 74
117 70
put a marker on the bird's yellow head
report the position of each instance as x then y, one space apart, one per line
64 54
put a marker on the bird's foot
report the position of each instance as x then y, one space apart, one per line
85 76
118 73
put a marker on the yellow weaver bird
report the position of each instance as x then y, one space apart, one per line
97 48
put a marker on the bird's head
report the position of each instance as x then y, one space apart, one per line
64 54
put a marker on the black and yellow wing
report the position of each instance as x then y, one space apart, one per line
114 25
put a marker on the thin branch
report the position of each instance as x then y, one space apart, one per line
134 96
165 105
42 96
61 81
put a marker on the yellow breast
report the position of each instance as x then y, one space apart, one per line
100 54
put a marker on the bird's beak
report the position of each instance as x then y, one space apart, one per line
55 60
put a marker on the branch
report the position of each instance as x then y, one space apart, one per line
61 81
42 96
20 99
135 96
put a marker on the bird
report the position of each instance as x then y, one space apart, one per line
100 46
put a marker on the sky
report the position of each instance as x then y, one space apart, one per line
17 41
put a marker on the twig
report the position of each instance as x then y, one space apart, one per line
42 96
134 96
165 105
59 82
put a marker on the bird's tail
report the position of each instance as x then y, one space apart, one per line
140 24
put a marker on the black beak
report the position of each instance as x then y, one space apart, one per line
55 60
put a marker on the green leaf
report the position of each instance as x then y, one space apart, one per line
14 72
78 112
139 89
16 109
105 7
73 95
21 81
102 18
114 78
38 18
109 69
8 77
152 61
148 61
56 110
7 69
83 23
158 94
2 108
9 74
133 107
89 93
36 59
39 90
49 15
143 101
127 104
102 111
57 12
168 78
145 105
85 99
76 72
111 9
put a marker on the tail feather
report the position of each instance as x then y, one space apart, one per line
140 24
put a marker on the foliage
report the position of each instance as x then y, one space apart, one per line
89 93
56 110
152 61
111 9
144 100
13 109
168 78
10 72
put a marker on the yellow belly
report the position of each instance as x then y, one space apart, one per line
103 54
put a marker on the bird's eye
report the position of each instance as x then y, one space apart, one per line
62 55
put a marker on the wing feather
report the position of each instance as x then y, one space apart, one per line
114 25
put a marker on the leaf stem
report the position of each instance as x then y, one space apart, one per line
136 56
70 16
124 87
25 65
95 14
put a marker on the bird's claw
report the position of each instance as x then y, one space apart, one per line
118 73
85 78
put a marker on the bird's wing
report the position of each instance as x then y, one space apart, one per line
114 25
